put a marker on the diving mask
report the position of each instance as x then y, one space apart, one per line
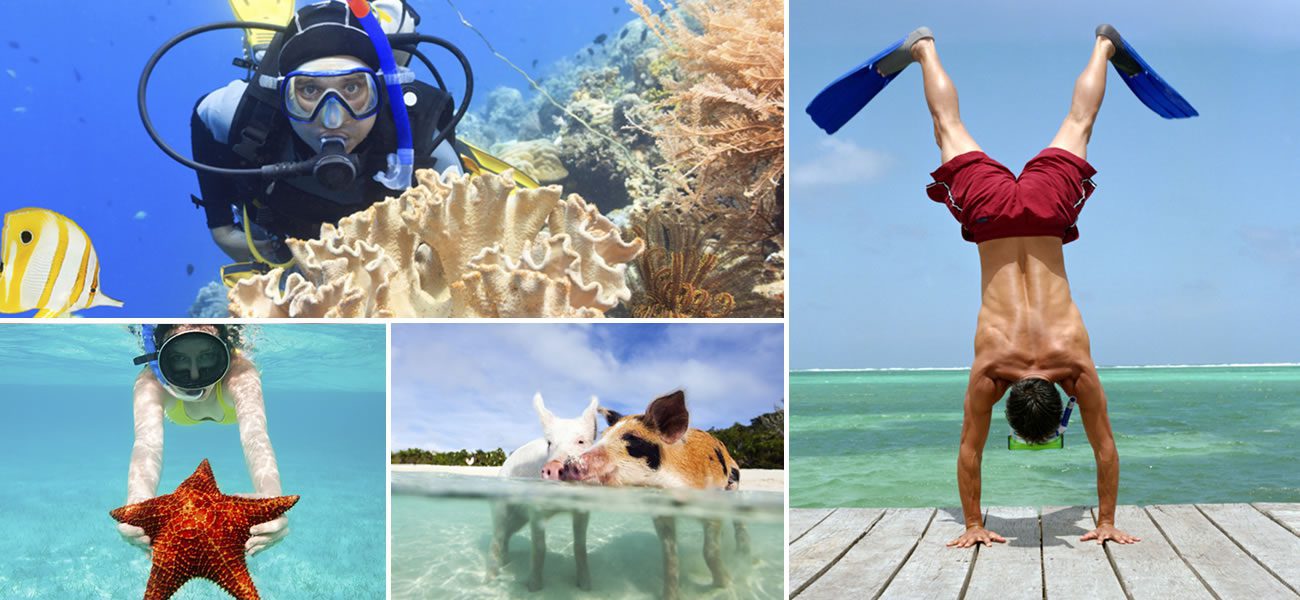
187 364
328 95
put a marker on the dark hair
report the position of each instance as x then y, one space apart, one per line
1034 409
231 334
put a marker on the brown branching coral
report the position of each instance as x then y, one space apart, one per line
724 128
683 272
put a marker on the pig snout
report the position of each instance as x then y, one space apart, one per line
573 470
552 471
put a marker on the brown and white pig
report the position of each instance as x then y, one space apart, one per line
659 449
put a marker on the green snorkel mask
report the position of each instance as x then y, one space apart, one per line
1056 442
187 364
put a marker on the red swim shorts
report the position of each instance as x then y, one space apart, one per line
991 203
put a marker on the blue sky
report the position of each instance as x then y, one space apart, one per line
471 386
1190 249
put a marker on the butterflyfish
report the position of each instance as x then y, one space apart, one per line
47 263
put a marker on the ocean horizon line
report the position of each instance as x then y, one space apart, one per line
1187 366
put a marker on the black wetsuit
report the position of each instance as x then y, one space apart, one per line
297 207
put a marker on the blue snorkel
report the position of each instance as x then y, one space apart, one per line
150 351
401 166
1056 442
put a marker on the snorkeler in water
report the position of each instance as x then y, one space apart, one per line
195 375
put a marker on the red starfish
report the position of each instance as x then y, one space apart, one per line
197 531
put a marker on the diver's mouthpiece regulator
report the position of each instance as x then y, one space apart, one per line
334 167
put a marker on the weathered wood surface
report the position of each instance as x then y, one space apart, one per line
824 544
1012 570
871 563
1226 551
1073 568
803 520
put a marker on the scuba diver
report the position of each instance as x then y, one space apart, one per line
328 121
327 92
196 375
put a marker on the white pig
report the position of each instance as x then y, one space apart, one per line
543 458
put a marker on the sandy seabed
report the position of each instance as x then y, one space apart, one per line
757 480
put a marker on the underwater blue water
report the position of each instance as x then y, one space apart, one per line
73 142
66 440
1184 434
442 526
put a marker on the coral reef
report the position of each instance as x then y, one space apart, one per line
724 126
210 302
538 158
458 246
688 270
679 113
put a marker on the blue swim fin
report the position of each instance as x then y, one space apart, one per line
1153 91
838 102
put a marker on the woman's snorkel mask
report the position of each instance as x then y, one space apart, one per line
1056 442
187 364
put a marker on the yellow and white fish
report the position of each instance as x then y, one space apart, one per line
48 264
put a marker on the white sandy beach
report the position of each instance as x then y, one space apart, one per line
762 480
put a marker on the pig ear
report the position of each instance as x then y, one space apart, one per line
542 413
668 416
589 414
611 416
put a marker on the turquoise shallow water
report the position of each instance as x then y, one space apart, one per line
67 437
442 526
1186 434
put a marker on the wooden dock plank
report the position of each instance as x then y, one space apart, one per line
818 549
865 569
1224 567
1150 569
934 571
1013 569
1263 539
1071 568
1286 514
803 519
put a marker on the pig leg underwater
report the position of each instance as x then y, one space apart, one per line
713 552
580 520
506 520
666 527
537 528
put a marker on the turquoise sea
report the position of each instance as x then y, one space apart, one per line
1185 434
66 440
442 526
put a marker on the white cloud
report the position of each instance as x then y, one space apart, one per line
839 162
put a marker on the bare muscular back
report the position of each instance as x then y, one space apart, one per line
1028 323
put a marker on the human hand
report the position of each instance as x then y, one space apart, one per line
135 536
975 536
264 535
1108 532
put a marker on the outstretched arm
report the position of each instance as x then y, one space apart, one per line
245 385
146 452
981 393
1096 423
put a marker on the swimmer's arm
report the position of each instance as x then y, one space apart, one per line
147 450
1096 423
245 385
981 393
